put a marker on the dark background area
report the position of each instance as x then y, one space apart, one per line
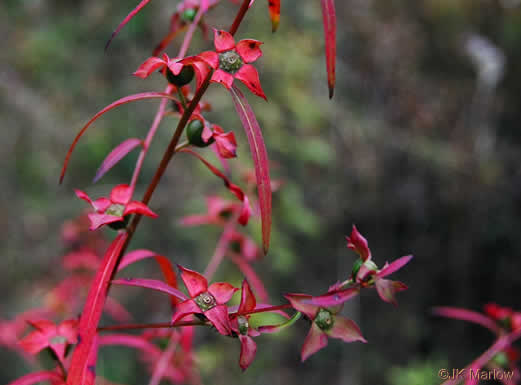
419 147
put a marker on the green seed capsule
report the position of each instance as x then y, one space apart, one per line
189 15
183 78
194 132
356 268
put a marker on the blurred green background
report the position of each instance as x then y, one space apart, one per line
419 147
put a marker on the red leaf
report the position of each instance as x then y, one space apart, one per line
116 155
466 315
117 103
274 8
234 189
151 284
92 313
164 264
252 277
260 160
329 20
126 20
36 377
130 341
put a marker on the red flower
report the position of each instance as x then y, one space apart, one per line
224 141
218 210
324 323
207 300
116 208
175 65
232 61
49 335
240 325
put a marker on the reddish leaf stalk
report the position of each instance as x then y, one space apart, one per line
160 325
162 363
148 140
220 249
501 343
190 33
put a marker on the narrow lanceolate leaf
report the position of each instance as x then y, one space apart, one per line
92 313
126 20
117 103
130 341
116 155
329 20
260 160
466 315
164 264
274 7
151 284
34 378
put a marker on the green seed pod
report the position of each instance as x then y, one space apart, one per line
194 132
324 319
188 15
242 322
356 268
183 78
119 225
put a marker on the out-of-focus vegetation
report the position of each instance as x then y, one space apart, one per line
420 148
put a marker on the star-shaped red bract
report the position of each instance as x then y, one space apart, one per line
175 65
325 322
114 208
207 300
50 335
240 325
232 61
225 141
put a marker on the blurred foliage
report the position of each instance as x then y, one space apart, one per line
420 148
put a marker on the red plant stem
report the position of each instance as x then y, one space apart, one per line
150 135
501 343
265 309
220 249
160 325
190 33
170 151
238 18
162 363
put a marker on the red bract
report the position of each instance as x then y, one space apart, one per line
175 65
241 326
115 208
325 322
207 300
232 61
49 335
225 141
386 288
504 316
218 210
358 243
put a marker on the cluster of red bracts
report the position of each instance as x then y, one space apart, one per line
208 303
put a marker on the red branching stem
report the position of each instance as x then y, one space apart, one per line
501 343
150 135
171 149
240 15
164 360
266 309
220 249
161 325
